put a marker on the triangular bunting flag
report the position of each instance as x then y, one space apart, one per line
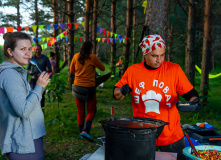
45 45
26 28
66 39
65 33
81 39
39 39
82 23
62 26
41 26
2 30
76 38
89 22
97 29
32 49
103 39
69 25
55 26
111 34
43 39
104 31
76 25
98 39
9 29
120 40
115 40
115 35
101 30
108 32
42 46
34 28
49 44
34 39
129 40
62 35
48 26
55 39
111 39
52 40
108 40
47 39
123 40
19 28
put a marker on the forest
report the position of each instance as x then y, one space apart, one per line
190 28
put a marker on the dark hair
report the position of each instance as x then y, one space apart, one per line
52 54
38 46
11 39
85 51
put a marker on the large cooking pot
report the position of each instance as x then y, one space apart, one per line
131 138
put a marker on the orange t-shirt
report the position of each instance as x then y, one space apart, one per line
85 74
155 93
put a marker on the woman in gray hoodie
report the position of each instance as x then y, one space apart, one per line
21 118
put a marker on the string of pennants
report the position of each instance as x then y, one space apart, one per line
50 41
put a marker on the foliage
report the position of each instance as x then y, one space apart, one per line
55 90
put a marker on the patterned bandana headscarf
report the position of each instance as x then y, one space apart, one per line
151 43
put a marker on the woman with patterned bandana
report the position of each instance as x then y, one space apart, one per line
155 86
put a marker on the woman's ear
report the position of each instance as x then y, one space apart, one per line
10 52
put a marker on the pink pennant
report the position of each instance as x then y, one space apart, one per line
81 39
69 25
55 39
2 30
108 40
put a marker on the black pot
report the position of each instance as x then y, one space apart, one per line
131 140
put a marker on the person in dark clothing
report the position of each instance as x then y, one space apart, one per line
44 65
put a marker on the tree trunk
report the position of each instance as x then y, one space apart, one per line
204 85
18 13
94 27
71 41
36 22
55 34
129 23
190 45
86 20
158 17
134 25
113 30
63 20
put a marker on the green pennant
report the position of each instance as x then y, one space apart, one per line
89 22
45 45
57 38
43 39
115 35
41 26
42 46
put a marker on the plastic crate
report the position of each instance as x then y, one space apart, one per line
207 137
194 141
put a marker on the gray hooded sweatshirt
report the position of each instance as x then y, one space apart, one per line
21 116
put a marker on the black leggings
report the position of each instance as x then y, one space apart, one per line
38 155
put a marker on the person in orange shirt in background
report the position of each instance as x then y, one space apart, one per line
155 86
83 66
119 66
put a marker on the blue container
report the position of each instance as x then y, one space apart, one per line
194 141
187 151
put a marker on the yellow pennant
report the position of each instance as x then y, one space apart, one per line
98 39
34 28
82 24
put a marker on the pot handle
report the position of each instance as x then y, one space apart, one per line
131 134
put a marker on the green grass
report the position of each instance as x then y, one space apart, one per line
62 140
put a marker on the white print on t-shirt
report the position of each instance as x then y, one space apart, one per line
151 99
